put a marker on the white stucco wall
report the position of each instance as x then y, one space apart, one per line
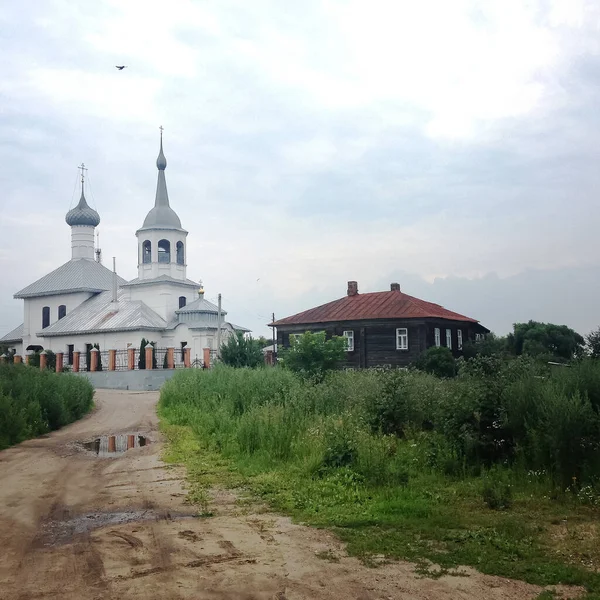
32 313
163 298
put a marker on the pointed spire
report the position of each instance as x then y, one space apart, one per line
162 215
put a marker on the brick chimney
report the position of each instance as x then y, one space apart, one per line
395 287
352 288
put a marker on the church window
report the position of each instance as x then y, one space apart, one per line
45 317
70 351
183 345
62 311
147 252
164 251
182 301
180 257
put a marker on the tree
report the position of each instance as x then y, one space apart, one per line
142 358
240 351
592 340
489 346
437 360
312 354
263 342
545 341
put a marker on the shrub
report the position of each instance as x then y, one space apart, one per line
438 361
312 354
497 495
241 351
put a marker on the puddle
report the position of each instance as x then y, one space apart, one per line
109 446
58 532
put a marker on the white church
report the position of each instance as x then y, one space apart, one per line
83 303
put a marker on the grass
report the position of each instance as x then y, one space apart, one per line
310 455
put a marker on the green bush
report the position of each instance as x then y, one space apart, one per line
437 361
312 354
33 402
240 351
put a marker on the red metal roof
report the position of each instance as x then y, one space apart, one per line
374 305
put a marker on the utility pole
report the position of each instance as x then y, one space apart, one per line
219 328
274 341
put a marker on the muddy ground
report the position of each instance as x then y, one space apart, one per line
75 526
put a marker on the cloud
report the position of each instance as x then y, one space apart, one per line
314 143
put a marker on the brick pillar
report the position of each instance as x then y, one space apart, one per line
18 359
170 357
131 358
3 358
76 355
112 360
148 351
206 357
43 360
28 358
94 359
59 361
187 357
112 443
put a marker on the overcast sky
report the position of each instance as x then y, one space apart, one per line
452 146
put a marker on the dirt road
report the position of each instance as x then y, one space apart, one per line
77 526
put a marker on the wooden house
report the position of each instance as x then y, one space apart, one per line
383 328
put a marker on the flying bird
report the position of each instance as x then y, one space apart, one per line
121 67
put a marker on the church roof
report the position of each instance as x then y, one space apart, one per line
161 279
101 315
82 214
16 335
200 305
162 216
77 275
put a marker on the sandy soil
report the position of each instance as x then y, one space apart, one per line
75 526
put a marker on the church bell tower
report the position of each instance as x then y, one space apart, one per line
161 239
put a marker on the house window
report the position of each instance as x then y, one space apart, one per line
182 301
402 338
459 339
180 256
70 350
479 337
45 317
62 311
147 252
449 338
164 251
349 335
438 341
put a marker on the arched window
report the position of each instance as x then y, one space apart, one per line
164 251
180 256
147 252
62 311
45 317
182 301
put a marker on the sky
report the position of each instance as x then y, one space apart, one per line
452 147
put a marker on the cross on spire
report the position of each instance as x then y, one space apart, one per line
83 168
161 130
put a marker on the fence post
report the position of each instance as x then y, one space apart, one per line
43 359
28 357
170 357
131 358
18 359
76 355
187 357
112 360
94 359
3 358
148 351
59 362
206 357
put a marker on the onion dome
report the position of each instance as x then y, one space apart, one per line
82 214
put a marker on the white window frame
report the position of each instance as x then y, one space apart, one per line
449 339
349 335
438 337
402 338
479 337
459 339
